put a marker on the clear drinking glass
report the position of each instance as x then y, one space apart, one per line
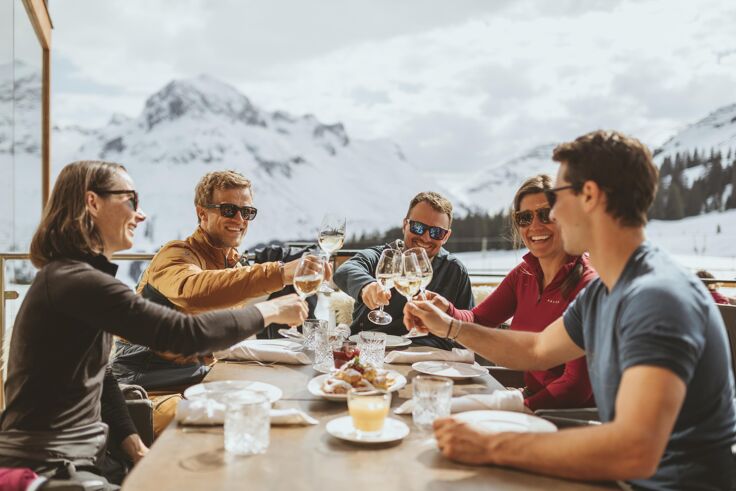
331 238
308 330
389 265
309 274
372 345
247 422
432 399
368 410
425 267
323 344
409 282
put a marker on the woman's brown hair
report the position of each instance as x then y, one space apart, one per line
535 185
66 229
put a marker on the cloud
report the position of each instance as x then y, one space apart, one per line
463 82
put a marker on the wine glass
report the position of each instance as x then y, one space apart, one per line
331 238
389 265
425 265
309 274
409 282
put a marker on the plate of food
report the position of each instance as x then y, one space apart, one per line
335 386
391 340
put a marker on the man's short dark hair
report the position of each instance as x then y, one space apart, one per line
621 166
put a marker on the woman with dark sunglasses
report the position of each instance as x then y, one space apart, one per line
63 332
535 293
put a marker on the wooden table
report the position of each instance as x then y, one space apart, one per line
308 458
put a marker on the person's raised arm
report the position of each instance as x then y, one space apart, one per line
629 447
512 349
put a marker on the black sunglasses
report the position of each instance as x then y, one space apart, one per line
525 218
229 210
132 202
551 194
435 233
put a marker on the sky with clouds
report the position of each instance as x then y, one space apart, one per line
458 85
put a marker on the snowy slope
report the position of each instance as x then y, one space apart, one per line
493 188
716 131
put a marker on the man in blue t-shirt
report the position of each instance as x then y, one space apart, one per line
655 343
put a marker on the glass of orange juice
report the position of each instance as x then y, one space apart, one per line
368 410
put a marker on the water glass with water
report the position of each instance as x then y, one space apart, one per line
432 399
247 422
323 344
372 345
308 330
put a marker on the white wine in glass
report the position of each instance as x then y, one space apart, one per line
409 282
332 233
425 265
389 265
309 274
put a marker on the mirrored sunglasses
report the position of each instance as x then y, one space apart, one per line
435 233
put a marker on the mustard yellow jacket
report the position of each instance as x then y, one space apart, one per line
196 277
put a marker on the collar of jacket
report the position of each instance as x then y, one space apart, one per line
227 256
533 265
100 262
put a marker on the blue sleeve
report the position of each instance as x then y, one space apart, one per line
660 327
573 318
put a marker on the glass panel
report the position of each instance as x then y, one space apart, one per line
28 62
6 121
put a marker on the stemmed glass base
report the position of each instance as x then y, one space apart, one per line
379 317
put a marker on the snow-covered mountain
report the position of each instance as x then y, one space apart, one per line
716 132
493 188
300 167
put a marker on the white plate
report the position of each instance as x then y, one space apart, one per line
391 340
315 386
323 369
449 369
342 428
211 389
498 421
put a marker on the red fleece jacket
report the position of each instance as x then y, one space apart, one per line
518 296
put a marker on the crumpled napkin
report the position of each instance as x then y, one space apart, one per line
211 412
266 350
501 400
409 357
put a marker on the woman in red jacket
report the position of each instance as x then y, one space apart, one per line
535 293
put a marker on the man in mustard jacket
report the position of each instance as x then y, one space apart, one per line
201 273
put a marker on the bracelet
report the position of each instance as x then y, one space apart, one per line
459 328
449 329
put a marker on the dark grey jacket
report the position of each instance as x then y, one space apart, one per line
450 279
63 335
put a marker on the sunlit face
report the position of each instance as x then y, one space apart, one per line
569 216
423 212
542 239
222 231
114 217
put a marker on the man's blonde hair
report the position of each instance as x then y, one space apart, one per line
438 202
221 179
